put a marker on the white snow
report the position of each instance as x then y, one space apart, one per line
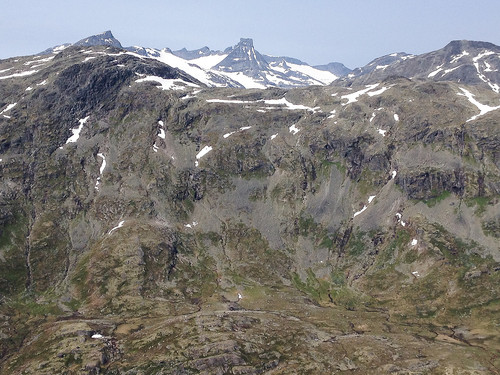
293 129
399 216
192 225
360 211
161 134
245 128
371 198
332 113
44 82
394 173
396 117
244 80
351 98
161 123
103 165
76 131
155 148
483 108
29 88
382 132
274 136
207 62
457 57
228 134
101 169
414 242
377 92
323 76
97 336
59 48
38 60
229 101
481 76
438 69
451 70
120 224
415 273
373 116
290 106
205 150
5 70
20 74
239 296
381 67
167 84
8 108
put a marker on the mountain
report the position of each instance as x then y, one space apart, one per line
239 66
151 223
468 62
104 39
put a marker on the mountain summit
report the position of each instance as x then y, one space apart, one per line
104 39
243 58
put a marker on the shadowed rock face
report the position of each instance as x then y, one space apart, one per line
194 230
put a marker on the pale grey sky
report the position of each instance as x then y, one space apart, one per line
317 31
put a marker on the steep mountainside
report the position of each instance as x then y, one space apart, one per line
467 62
151 224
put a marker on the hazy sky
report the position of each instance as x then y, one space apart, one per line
316 31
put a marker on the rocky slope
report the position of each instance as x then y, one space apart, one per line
153 225
467 62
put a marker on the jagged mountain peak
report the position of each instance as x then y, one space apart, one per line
105 38
243 58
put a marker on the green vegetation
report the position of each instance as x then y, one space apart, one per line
480 202
431 202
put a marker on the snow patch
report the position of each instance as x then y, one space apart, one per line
400 221
274 136
8 108
120 224
76 131
97 336
438 69
371 198
20 74
168 84
393 173
382 132
414 242
458 57
192 225
101 169
396 117
483 108
332 114
360 211
351 98
293 129
377 92
291 106
205 150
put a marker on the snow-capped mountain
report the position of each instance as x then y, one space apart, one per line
468 62
239 66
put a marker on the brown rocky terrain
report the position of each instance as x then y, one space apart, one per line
195 230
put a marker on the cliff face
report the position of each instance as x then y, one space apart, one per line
151 225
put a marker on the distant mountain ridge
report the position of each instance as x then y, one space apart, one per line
239 66
469 62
